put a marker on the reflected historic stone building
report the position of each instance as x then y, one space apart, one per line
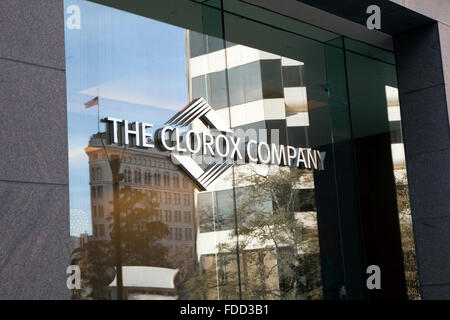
154 191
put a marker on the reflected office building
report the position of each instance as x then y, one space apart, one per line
276 255
273 210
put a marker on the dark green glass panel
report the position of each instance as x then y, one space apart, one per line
369 51
283 23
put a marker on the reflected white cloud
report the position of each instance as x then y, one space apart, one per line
143 89
77 156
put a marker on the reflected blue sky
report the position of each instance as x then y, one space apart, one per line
137 64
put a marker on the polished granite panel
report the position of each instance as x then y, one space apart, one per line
34 123
34 246
444 35
433 250
436 292
425 120
447 90
418 59
422 68
429 181
395 18
32 31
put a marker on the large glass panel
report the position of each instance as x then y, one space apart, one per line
133 218
264 202
381 167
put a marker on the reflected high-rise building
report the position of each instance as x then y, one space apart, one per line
253 89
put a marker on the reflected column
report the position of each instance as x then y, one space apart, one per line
115 169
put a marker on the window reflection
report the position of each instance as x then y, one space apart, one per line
254 234
149 237
401 181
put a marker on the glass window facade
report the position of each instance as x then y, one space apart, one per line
141 226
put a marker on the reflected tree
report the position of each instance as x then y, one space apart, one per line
406 229
95 260
141 228
278 241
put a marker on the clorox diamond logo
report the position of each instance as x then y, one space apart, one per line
200 109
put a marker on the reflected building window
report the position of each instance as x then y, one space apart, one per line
127 175
147 178
98 173
168 216
178 234
177 216
176 181
100 192
157 179
186 199
185 184
187 216
101 230
166 180
137 176
167 198
177 199
158 197
188 234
